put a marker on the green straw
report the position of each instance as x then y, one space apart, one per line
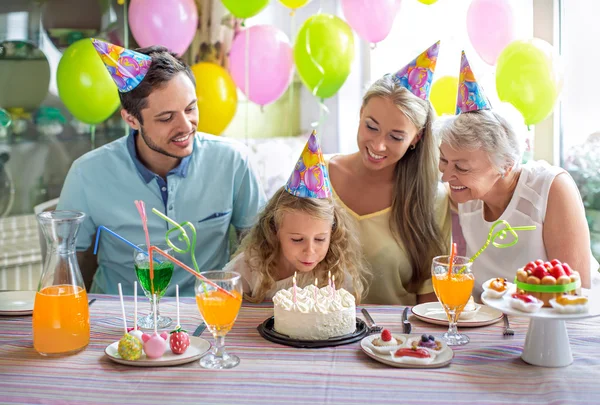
501 235
183 237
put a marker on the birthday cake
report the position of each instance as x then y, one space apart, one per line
313 313
547 280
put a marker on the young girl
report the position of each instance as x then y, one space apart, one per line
302 230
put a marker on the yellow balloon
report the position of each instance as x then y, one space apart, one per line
217 97
444 92
294 4
428 2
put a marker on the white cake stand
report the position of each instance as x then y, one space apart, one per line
547 342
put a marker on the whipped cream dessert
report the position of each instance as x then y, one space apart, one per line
317 314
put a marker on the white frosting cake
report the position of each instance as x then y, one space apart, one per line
331 314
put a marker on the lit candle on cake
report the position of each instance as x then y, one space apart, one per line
333 285
329 279
316 288
294 281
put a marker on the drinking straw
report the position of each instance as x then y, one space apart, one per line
141 207
190 245
116 235
186 268
123 308
501 234
451 260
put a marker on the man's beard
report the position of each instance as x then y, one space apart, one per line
155 147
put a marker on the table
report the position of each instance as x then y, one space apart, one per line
486 371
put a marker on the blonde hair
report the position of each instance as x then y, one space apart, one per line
262 249
486 130
416 178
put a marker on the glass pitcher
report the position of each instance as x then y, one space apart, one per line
61 318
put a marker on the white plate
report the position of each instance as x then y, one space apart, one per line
432 312
198 347
443 358
16 303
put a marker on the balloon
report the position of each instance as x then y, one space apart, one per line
527 77
490 25
84 84
245 8
294 4
170 23
443 96
323 53
428 2
270 63
314 178
371 19
217 97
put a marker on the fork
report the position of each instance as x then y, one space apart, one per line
507 330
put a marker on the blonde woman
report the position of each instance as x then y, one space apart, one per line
304 231
391 186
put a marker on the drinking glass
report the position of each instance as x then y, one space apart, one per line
453 285
219 309
163 271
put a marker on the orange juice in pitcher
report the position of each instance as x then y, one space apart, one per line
61 318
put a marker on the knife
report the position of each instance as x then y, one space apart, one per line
199 329
406 326
373 328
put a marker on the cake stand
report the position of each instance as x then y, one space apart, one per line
547 342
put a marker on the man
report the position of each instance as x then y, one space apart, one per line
189 176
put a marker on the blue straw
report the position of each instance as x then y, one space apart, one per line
139 249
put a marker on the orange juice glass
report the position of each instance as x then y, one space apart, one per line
219 308
61 317
453 285
61 320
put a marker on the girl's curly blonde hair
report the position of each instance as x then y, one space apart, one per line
262 249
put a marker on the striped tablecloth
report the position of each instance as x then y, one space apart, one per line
486 371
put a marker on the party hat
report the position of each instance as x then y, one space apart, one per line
470 94
418 74
310 178
126 67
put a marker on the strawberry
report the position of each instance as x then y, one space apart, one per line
567 269
555 262
540 272
557 271
539 262
548 265
386 335
529 266
179 341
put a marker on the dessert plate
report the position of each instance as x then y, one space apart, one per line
443 358
267 331
17 303
198 347
432 312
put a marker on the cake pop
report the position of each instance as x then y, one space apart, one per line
179 340
130 348
155 344
136 331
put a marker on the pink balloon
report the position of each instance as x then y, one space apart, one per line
270 63
170 23
371 19
490 24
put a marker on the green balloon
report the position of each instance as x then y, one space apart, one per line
84 84
323 53
526 77
245 8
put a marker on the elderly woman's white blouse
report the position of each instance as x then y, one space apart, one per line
527 207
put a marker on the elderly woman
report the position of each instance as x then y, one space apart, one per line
480 156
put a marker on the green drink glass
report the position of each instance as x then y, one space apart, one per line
163 271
